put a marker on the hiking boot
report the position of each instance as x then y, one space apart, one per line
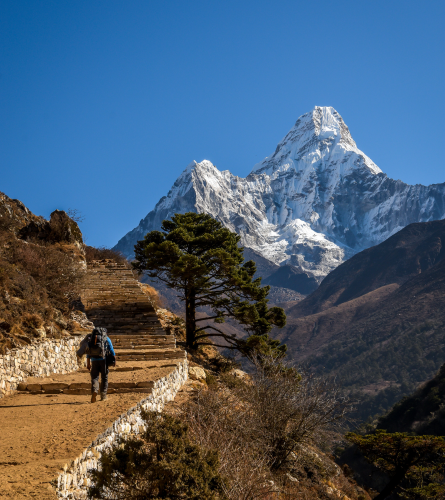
103 396
93 397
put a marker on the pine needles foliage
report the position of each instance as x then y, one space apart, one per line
202 260
415 464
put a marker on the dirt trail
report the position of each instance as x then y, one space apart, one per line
43 429
41 433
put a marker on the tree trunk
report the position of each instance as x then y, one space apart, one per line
391 486
190 324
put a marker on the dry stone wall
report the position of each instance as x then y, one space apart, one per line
40 359
74 481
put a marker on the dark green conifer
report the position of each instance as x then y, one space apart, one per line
202 260
414 464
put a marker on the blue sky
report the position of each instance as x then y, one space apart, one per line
104 103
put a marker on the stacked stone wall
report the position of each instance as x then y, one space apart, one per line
39 359
74 481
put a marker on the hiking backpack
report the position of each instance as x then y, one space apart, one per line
97 343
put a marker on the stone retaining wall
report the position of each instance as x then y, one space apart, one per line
39 359
73 482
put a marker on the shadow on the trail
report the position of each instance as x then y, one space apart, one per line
47 404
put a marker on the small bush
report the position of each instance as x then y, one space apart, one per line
163 463
264 428
32 321
230 380
101 253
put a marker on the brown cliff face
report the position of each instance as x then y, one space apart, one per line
14 215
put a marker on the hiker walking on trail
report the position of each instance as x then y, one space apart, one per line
100 354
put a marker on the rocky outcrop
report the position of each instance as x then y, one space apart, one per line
315 202
59 229
14 215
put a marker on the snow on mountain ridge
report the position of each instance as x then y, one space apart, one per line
313 203
314 137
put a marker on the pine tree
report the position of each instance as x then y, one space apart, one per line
414 464
202 260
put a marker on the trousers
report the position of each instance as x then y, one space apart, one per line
99 367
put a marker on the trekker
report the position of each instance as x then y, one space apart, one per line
100 354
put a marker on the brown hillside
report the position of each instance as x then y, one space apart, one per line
41 269
392 338
411 251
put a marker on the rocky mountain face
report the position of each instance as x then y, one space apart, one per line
14 215
315 202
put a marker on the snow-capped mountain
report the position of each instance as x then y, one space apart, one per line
316 201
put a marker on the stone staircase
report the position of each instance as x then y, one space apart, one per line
114 300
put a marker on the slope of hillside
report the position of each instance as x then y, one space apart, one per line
409 252
382 344
423 412
41 268
292 278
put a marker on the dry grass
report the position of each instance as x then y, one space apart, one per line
38 282
264 430
100 253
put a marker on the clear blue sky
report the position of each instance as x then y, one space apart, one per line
104 103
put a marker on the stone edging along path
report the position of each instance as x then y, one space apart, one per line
39 359
73 482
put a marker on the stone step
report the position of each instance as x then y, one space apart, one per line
140 347
132 336
137 351
144 342
113 299
58 387
148 356
85 392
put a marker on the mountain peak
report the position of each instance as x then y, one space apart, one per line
316 141
312 204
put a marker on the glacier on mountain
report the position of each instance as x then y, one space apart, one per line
316 201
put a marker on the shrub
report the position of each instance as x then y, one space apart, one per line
163 463
32 320
263 428
56 272
101 253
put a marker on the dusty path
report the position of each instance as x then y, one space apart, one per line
52 421
41 433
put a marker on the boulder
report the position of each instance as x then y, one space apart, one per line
60 228
197 373
41 332
238 373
